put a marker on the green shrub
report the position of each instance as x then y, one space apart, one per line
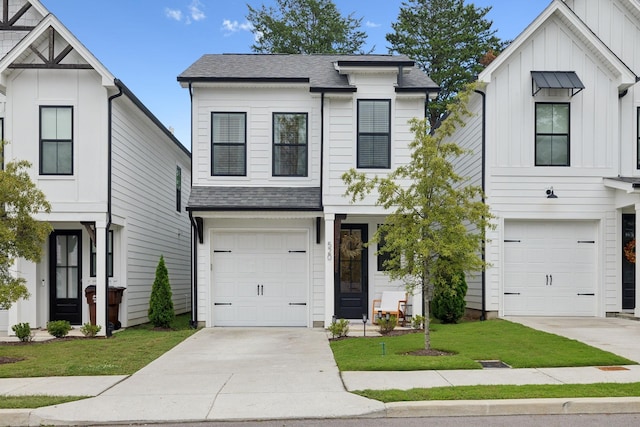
417 322
387 325
448 302
23 331
89 330
161 312
59 328
339 328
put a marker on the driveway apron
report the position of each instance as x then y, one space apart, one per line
228 374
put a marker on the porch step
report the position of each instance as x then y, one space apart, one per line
628 316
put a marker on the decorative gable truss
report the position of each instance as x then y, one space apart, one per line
48 52
16 20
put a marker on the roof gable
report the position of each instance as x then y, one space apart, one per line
557 9
51 45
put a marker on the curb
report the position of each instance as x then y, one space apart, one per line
15 417
556 406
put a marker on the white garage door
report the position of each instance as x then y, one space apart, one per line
550 268
260 278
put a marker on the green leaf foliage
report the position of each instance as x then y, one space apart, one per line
431 209
161 312
305 27
448 303
21 235
450 40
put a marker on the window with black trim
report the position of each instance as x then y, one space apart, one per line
374 133
228 144
92 256
290 144
56 140
638 138
178 189
552 134
383 257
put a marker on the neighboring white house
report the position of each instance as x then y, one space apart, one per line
278 243
117 179
561 164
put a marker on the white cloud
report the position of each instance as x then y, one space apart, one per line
173 14
194 13
371 24
195 10
230 27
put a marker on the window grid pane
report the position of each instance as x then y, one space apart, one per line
552 134
56 140
228 144
290 144
374 134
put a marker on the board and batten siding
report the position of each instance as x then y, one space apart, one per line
341 142
86 189
144 206
259 104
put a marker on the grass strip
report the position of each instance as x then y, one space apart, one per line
512 343
493 392
124 353
28 402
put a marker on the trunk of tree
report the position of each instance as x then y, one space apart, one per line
427 337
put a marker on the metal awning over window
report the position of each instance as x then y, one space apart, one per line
556 80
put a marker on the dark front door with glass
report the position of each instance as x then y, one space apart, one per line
351 278
628 261
65 276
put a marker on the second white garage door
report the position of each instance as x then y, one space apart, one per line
550 268
260 278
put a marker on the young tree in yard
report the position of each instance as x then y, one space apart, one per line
161 312
432 210
305 26
450 40
21 236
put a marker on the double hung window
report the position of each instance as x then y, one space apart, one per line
374 133
552 134
56 140
290 145
229 144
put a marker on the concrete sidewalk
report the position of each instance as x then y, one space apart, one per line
289 373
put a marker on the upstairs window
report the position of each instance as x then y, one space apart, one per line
56 140
374 133
638 140
229 144
92 256
552 134
290 145
178 189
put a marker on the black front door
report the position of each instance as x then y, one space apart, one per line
65 273
351 282
628 261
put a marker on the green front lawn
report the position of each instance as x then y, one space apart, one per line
124 353
512 343
22 402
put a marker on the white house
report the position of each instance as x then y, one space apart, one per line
555 137
278 243
117 179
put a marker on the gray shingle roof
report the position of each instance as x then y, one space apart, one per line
318 70
254 198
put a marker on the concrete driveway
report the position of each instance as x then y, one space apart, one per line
616 335
227 373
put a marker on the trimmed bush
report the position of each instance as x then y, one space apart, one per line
59 328
387 325
23 331
448 302
161 312
417 322
339 328
89 330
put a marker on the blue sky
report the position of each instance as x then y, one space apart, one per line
148 43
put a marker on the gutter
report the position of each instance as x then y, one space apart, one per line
109 184
194 235
483 316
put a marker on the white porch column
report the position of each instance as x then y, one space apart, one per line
636 311
13 314
101 272
329 304
25 311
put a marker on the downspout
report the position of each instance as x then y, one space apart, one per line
194 236
109 181
483 316
321 148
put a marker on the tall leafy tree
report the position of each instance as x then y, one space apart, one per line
305 26
432 210
450 40
21 236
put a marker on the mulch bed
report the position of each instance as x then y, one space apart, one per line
4 360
